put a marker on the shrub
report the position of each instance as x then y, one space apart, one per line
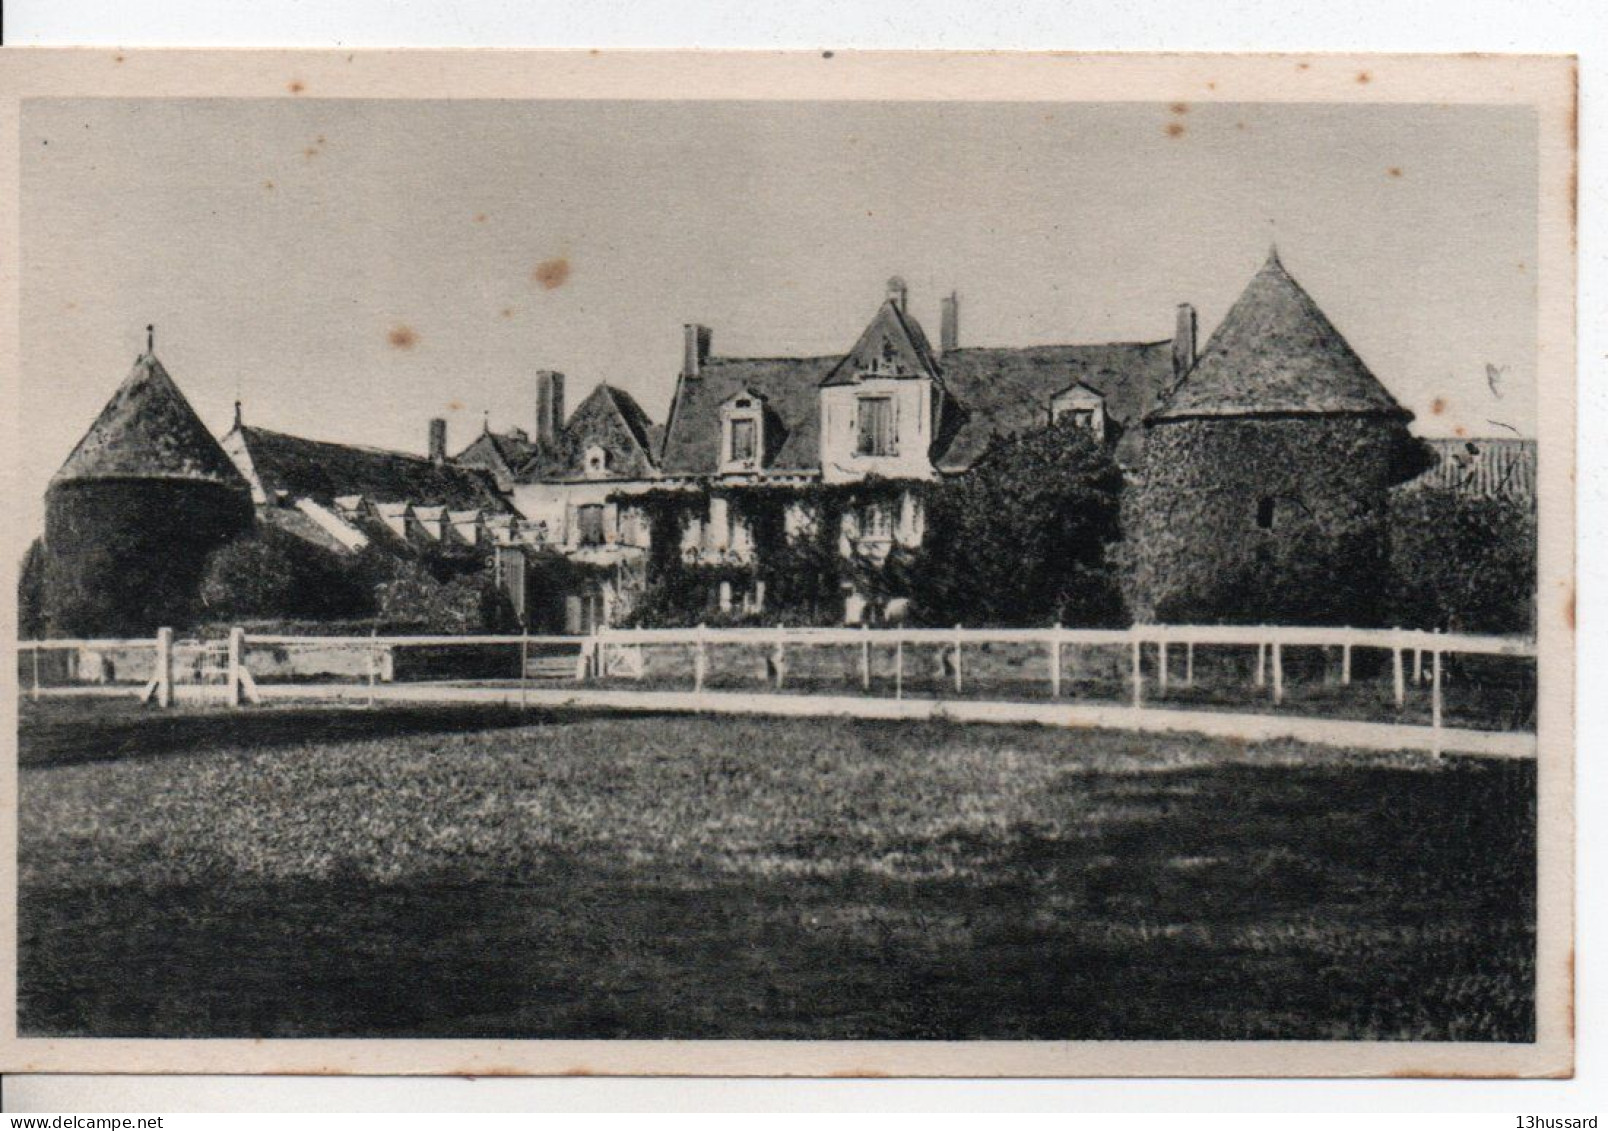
273 574
1462 563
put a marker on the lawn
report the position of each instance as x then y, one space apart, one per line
472 873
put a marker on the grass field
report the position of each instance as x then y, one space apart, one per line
472 873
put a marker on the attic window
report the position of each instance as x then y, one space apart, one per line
742 440
875 433
742 434
1265 513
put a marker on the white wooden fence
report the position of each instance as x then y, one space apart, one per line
224 664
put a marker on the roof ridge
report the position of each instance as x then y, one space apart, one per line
370 449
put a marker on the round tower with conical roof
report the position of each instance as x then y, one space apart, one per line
133 513
1262 492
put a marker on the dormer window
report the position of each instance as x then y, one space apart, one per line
597 462
1083 406
742 433
876 432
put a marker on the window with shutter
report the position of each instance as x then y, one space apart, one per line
875 432
742 440
591 524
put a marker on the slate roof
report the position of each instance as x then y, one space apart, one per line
791 388
1276 352
999 392
321 470
990 392
893 325
149 431
513 449
1487 467
609 418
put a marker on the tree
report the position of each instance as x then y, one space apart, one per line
1023 536
1462 563
31 619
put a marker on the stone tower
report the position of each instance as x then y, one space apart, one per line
133 513
1262 489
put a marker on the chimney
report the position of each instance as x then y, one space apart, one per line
438 441
695 349
1184 341
898 293
949 324
549 406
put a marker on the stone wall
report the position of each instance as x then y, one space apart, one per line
1263 519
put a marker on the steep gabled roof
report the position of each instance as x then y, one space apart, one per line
999 392
609 418
893 327
791 388
1276 352
497 451
322 470
149 431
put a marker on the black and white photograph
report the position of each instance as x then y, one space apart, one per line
1064 582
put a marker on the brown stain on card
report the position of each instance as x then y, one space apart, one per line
1394 171
551 273
1175 129
1363 77
1179 107
1569 619
403 337
1438 405
295 86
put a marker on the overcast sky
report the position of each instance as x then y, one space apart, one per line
349 269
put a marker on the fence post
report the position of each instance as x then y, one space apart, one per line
865 656
1398 677
373 661
958 639
164 667
1345 665
698 661
1161 665
1189 664
1138 673
236 646
1055 661
1435 700
35 651
1418 664
1278 673
779 659
524 661
898 668
1261 663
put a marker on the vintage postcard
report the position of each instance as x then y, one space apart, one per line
787 563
